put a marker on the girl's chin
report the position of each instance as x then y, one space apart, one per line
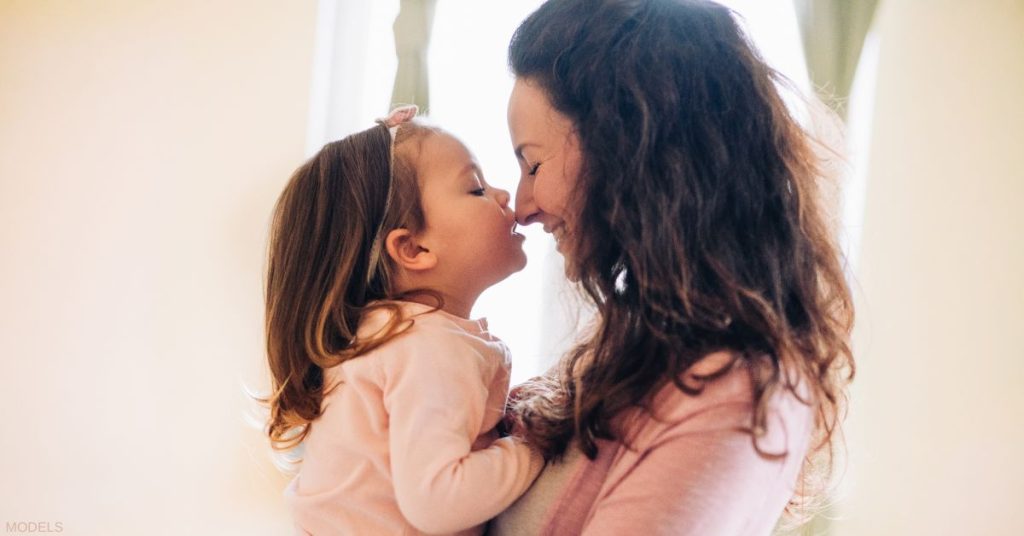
520 261
516 263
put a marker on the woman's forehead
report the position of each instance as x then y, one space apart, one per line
527 103
531 117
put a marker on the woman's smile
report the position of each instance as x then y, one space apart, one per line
559 233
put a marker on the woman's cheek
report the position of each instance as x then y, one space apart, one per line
555 189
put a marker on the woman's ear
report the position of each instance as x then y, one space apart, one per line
406 251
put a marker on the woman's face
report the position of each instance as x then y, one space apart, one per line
547 148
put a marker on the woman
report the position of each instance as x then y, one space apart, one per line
682 194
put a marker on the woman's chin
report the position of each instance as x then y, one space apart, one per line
569 268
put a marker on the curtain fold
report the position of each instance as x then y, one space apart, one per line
833 33
412 40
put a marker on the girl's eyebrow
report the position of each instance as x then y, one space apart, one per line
471 167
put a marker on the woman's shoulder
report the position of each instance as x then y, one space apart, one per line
724 404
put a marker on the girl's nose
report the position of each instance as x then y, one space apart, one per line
502 196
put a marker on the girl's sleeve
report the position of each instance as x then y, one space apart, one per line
694 480
435 395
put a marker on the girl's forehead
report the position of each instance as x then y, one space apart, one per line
444 154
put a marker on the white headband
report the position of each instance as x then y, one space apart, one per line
399 115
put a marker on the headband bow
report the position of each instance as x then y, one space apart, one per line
399 115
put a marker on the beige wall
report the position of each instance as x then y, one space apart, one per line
142 145
935 432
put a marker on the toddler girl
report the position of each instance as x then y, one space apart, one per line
380 245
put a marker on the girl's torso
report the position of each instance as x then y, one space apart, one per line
344 485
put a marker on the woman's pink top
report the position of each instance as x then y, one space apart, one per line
692 471
406 443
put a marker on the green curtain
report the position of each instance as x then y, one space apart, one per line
412 39
833 34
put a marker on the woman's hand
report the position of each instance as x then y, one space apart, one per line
511 424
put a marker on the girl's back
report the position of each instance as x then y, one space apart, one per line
388 453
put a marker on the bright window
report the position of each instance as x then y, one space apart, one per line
470 85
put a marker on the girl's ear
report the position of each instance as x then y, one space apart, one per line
407 252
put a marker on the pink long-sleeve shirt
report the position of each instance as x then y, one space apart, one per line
406 443
691 472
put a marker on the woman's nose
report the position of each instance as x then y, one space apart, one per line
526 208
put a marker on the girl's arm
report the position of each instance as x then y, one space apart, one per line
435 398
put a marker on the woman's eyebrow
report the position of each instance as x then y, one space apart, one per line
519 149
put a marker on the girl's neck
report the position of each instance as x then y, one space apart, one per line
454 305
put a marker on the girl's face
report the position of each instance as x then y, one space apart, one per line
549 157
469 224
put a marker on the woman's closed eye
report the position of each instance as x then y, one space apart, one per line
533 169
479 192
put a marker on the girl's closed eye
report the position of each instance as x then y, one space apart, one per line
477 186
533 169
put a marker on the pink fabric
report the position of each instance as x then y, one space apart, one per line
691 473
406 443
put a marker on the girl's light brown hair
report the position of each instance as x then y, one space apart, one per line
699 224
320 278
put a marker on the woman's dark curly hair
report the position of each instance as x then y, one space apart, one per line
699 220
